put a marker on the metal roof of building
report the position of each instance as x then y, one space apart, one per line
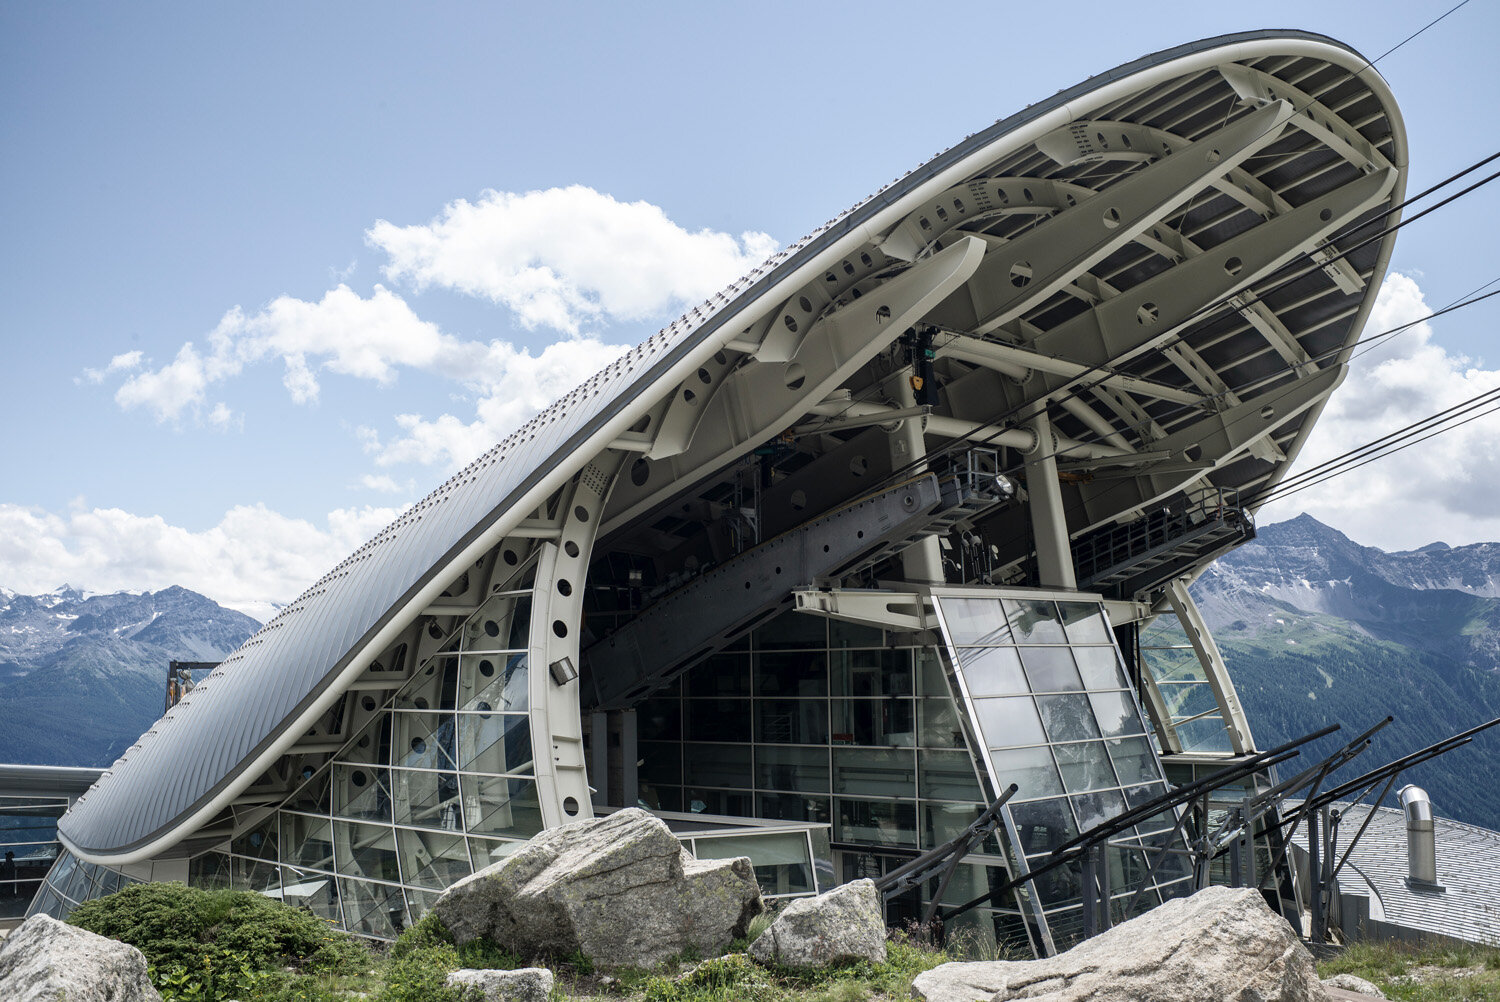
234 725
1468 868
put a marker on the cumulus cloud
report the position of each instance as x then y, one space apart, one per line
566 256
120 363
253 560
1442 489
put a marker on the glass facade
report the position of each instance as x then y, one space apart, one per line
1193 711
28 848
1055 714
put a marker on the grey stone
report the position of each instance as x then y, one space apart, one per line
1222 944
1351 983
529 984
45 960
620 890
840 926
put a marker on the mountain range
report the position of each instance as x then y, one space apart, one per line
82 676
1317 629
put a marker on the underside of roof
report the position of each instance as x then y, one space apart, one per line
1165 263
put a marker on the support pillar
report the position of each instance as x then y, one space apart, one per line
923 562
1049 525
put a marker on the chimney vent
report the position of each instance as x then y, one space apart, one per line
1421 850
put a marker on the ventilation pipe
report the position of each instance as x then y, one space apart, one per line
1421 850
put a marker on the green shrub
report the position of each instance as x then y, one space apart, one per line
217 931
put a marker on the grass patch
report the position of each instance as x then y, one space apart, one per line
1423 972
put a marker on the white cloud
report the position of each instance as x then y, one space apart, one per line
252 560
123 362
385 484
565 256
514 386
1441 489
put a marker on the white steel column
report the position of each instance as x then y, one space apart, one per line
924 561
1049 526
1213 666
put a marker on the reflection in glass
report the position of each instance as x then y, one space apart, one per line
875 822
947 775
317 892
1099 667
803 770
1133 760
373 909
423 740
1031 769
875 772
494 742
1085 623
494 682
872 673
1009 721
1084 766
938 724
427 799
1034 622
1116 713
886 722
1051 669
365 851
308 841
1096 808
429 859
500 805
1042 826
361 791
1068 717
992 671
975 621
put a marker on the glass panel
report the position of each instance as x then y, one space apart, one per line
721 675
717 720
792 630
716 765
803 770
361 791
1116 714
1031 769
876 772
659 719
427 799
494 742
946 775
209 871
487 852
792 674
1008 721
843 635
932 673
419 903
994 671
1096 808
975 621
365 851
1100 668
423 740
1084 766
259 842
938 725
729 803
373 909
885 722
308 841
1042 826
432 860
1068 718
1133 760
494 682
433 688
876 822
781 861
251 875
942 822
1051 669
1204 735
872 673
1034 622
1085 623
503 624
791 721
500 805
317 892
661 763
791 807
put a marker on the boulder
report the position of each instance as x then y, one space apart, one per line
45 960
1351 983
529 984
1222 943
619 890
840 926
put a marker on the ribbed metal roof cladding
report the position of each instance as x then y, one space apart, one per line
213 737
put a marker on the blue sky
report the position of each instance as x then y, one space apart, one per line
257 181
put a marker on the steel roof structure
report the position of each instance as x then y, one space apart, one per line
1136 291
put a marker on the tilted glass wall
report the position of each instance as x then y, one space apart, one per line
1046 689
808 719
1193 712
28 842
